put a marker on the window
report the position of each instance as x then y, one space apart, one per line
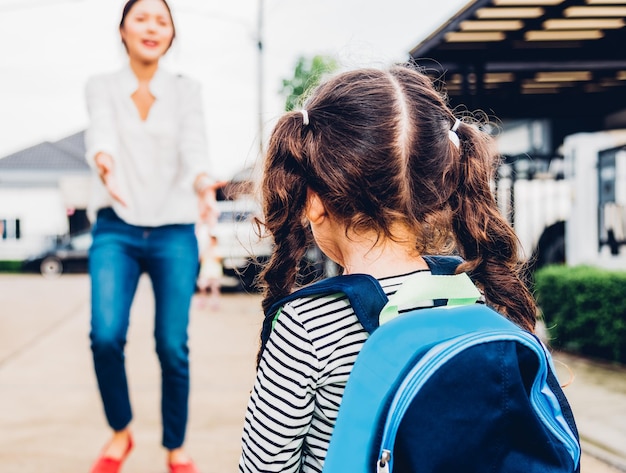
10 228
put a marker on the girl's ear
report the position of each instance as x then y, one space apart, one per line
315 209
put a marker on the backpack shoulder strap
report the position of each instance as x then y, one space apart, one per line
443 265
366 297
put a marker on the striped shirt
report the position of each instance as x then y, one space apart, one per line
300 382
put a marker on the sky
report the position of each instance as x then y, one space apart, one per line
48 49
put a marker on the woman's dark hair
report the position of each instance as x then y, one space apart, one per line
375 146
131 3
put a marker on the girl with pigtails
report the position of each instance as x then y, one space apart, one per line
378 172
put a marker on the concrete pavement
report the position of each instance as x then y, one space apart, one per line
51 418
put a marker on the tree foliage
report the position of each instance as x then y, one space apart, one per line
307 74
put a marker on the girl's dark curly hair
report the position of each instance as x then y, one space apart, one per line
377 150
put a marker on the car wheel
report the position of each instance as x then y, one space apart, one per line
51 267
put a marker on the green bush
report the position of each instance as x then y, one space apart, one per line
584 309
10 266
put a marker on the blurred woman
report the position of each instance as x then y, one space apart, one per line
146 143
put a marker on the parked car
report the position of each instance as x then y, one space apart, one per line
67 255
245 248
241 244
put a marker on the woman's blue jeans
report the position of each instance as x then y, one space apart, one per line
119 254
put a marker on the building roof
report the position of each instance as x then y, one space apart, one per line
67 154
519 59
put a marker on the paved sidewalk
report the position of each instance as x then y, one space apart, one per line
597 394
51 419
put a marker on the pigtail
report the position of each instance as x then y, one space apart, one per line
284 190
487 242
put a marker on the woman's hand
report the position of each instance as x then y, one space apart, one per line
206 189
105 166
207 205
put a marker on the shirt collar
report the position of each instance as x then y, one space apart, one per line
130 83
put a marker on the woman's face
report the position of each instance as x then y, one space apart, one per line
147 31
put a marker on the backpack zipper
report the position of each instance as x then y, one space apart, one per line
441 354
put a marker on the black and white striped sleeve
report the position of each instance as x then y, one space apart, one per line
282 402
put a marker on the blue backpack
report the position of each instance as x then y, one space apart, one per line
455 388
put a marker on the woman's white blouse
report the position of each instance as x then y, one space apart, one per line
157 160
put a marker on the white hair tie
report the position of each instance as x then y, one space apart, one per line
452 134
305 117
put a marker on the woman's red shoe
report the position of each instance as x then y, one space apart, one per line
188 467
106 464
